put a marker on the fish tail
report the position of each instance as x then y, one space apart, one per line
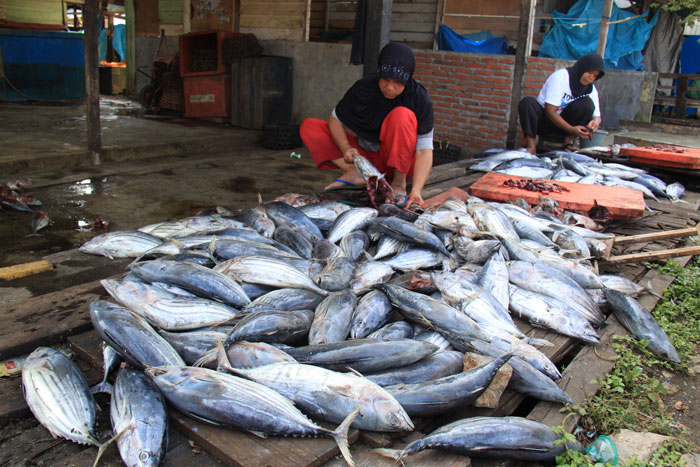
103 447
222 361
340 435
102 387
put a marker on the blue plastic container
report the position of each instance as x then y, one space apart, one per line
42 64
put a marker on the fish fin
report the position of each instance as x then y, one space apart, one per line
259 434
103 387
355 371
260 200
103 447
395 454
222 361
212 244
539 342
208 356
340 435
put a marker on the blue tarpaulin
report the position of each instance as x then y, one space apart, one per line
447 39
575 34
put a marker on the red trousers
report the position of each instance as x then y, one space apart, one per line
397 143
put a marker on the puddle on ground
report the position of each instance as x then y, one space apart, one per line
240 185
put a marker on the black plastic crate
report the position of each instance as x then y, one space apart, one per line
444 152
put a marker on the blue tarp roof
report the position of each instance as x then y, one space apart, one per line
575 34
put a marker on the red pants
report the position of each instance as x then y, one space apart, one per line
397 146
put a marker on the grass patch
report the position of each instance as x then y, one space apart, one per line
630 395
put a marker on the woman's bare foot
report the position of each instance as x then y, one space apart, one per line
348 178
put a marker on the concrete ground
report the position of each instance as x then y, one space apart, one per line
154 169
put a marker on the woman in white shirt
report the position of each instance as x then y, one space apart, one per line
567 104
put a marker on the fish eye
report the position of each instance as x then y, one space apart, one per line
144 456
394 420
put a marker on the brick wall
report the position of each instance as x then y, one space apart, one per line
471 94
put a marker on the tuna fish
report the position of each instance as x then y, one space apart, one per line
166 310
331 396
373 310
363 355
351 220
642 325
229 400
121 244
332 318
437 365
199 280
498 437
58 395
137 410
438 396
131 336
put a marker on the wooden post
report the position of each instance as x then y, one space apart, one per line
439 19
130 15
377 32
307 21
524 27
604 26
680 95
186 21
92 81
237 15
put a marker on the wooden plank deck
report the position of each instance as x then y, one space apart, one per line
61 315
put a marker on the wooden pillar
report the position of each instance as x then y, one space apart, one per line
236 15
604 26
439 19
525 26
186 21
92 81
377 32
130 15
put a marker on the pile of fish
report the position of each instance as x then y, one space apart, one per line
305 310
576 167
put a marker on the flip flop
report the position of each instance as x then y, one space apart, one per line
350 186
401 200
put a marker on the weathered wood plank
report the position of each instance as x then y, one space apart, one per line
461 182
238 448
47 319
445 172
675 208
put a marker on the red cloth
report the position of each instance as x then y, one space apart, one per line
397 147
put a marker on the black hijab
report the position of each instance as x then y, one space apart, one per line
590 62
364 108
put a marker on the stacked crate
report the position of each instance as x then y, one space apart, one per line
206 78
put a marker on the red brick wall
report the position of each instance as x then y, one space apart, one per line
471 94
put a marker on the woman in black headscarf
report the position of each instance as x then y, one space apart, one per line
567 104
386 117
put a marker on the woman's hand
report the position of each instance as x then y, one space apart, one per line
582 131
594 124
348 153
414 198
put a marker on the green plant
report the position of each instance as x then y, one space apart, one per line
630 396
691 8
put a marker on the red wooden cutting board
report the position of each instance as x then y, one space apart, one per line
623 203
674 156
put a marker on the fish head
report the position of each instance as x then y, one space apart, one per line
391 411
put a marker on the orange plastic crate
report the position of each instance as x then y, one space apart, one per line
208 96
201 53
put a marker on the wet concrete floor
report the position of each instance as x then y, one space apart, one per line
159 169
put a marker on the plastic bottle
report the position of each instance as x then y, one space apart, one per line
603 450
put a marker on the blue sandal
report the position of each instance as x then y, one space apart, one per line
401 200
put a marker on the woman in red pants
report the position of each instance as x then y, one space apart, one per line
386 117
